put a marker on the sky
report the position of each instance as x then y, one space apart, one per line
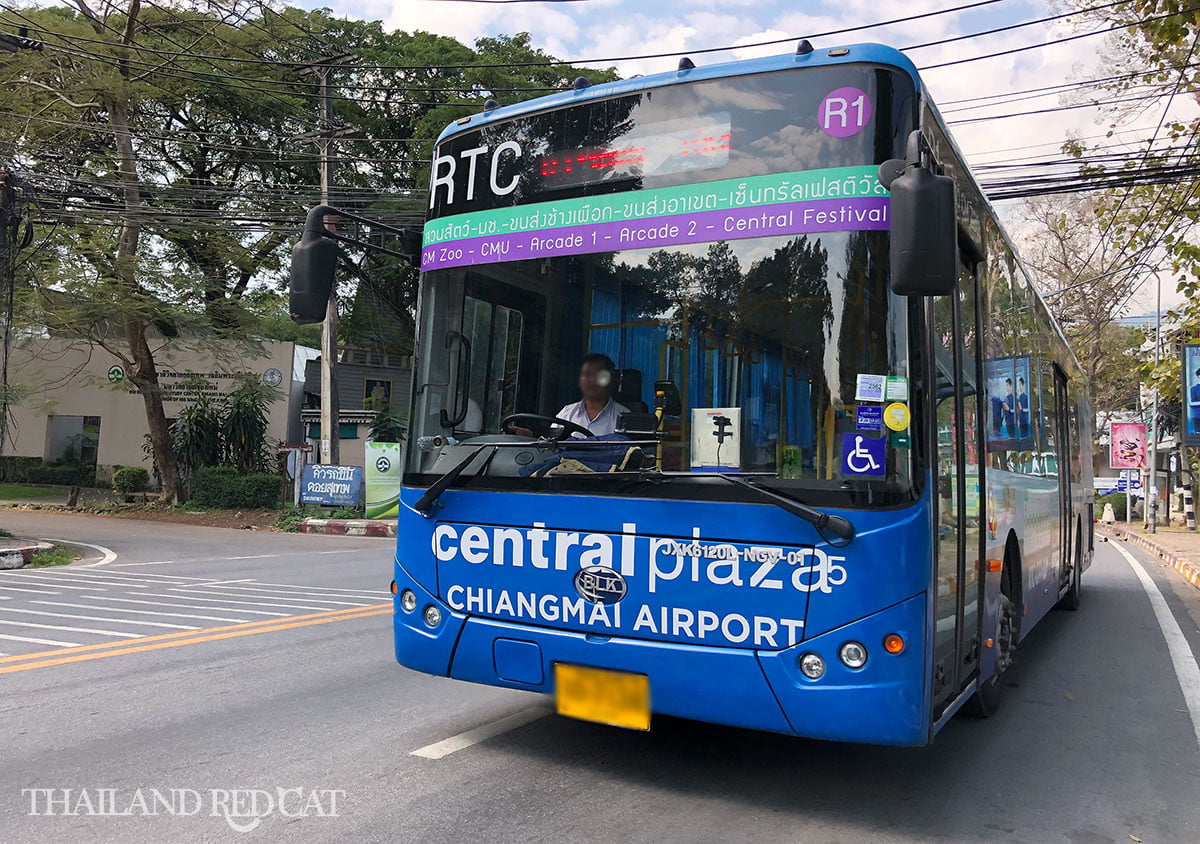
608 28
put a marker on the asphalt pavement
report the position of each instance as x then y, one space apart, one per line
282 677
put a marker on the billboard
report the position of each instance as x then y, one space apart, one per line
1010 425
1191 393
1127 445
382 464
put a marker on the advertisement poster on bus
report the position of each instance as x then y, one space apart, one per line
1191 393
1127 445
1010 423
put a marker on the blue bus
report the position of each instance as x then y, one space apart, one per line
733 402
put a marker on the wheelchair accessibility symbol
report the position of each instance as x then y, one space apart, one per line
863 455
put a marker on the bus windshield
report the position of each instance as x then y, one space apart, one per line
722 243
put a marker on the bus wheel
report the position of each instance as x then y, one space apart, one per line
987 698
1070 601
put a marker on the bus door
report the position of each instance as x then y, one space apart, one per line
1060 448
958 499
503 325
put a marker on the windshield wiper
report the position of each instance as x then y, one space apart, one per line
425 502
821 521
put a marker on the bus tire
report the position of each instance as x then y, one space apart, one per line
988 697
1071 600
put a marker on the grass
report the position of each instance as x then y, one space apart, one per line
18 492
5 534
54 556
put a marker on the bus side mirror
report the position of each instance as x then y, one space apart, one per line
314 260
924 230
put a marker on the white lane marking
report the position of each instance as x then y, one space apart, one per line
141 575
220 600
1186 669
33 641
107 555
35 579
138 612
211 583
254 586
331 589
72 629
66 575
189 606
245 592
253 557
35 591
99 618
443 748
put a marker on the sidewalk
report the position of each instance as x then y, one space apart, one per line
1178 546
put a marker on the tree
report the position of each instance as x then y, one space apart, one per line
161 141
1070 248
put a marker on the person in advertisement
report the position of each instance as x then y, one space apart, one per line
1193 395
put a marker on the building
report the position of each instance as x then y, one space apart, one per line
78 404
368 381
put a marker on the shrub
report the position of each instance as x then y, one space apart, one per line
62 475
1117 500
222 487
131 479
16 469
291 516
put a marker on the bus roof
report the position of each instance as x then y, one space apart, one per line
851 54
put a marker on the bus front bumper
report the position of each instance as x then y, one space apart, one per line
884 702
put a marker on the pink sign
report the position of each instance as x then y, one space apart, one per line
844 112
1127 445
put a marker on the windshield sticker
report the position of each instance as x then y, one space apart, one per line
895 416
869 418
863 455
834 199
868 387
896 389
844 112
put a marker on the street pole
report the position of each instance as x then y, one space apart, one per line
330 411
1152 498
324 137
9 220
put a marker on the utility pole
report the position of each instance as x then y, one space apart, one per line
10 226
1151 496
329 130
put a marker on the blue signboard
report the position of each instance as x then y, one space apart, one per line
332 486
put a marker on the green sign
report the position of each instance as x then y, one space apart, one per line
382 472
116 374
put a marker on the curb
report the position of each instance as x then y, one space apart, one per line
22 555
1189 570
350 527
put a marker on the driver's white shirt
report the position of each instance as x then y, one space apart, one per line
604 423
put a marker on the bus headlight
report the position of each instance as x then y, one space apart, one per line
812 666
408 600
433 616
853 655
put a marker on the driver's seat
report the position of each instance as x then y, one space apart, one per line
627 390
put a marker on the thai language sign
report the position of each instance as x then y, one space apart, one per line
1127 445
331 486
833 199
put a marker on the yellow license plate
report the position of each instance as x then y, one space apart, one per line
617 698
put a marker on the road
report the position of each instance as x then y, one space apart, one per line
1095 744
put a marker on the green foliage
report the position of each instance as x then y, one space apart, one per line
130 479
347 512
17 469
24 492
387 427
291 516
222 487
196 435
244 425
1117 500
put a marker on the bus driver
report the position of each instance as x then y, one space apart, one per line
597 410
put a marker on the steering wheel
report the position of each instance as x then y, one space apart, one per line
543 424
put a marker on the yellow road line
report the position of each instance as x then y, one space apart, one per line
332 614
195 640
